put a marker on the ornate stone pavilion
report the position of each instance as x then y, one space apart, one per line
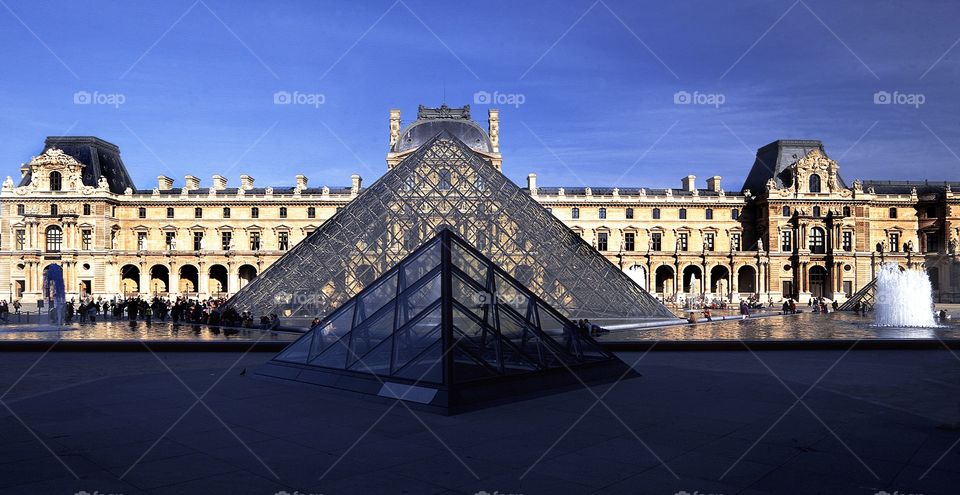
794 228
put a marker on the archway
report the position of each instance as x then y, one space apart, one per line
246 273
638 274
130 279
664 279
692 280
719 280
159 279
189 279
218 280
818 281
747 279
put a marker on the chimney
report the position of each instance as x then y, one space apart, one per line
246 182
301 181
219 183
191 183
394 125
355 181
713 183
532 183
689 183
164 183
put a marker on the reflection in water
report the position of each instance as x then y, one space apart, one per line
138 330
806 326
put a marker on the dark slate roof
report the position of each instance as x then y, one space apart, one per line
102 159
774 159
432 121
626 191
906 186
232 191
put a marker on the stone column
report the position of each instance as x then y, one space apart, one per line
144 279
203 290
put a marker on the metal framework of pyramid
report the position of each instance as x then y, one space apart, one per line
446 330
445 184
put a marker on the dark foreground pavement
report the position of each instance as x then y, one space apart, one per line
696 422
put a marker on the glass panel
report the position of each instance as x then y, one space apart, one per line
421 265
378 296
335 356
469 296
367 336
420 298
425 368
466 367
469 263
412 340
376 361
297 352
332 331
509 295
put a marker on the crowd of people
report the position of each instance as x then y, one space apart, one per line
180 310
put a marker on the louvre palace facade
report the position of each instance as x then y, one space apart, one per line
795 228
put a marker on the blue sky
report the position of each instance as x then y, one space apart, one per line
598 82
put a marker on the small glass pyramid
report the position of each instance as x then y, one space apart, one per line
445 184
447 329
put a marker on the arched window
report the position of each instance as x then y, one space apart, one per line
818 240
709 213
814 183
786 211
683 213
656 213
54 238
735 214
445 182
603 213
56 181
816 211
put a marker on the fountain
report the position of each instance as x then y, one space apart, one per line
55 293
903 298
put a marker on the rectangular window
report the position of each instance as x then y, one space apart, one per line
86 239
169 212
283 212
86 209
197 241
141 241
629 241
848 241
21 210
142 212
170 240
21 239
198 213
283 240
226 238
893 213
603 213
602 241
254 241
931 212
708 241
656 241
683 239
575 213
311 212
629 213
254 212
786 241
735 242
226 213
933 243
894 242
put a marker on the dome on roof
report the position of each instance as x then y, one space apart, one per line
421 131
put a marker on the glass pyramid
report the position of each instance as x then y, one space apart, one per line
445 184
447 329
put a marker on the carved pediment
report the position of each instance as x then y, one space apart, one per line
816 163
55 160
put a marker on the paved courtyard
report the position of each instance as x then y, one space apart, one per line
700 422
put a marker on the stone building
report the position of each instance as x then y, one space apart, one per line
795 228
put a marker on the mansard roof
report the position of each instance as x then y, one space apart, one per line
628 191
102 159
775 159
923 187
